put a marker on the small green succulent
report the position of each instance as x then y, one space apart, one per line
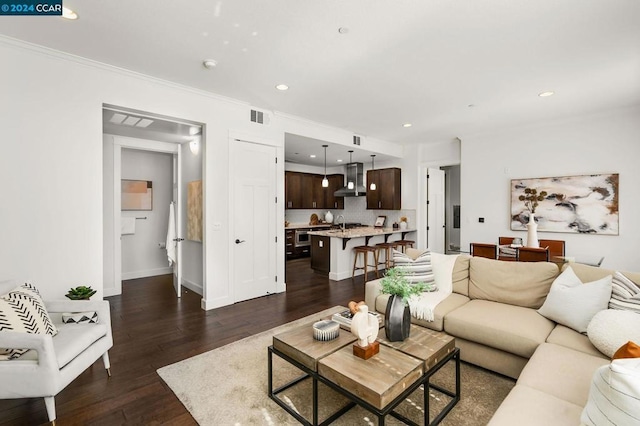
80 293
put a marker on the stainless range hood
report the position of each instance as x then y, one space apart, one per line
355 175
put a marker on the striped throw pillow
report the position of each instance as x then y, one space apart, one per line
625 294
418 270
22 310
614 394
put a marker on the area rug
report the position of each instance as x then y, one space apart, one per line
228 386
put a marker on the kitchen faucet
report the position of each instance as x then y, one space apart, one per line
343 221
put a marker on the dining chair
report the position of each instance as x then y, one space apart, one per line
503 241
556 247
490 251
532 254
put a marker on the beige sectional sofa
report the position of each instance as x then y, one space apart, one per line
492 312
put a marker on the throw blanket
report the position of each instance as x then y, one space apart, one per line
423 305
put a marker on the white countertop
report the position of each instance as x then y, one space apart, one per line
366 231
306 225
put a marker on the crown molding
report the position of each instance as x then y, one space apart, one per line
46 51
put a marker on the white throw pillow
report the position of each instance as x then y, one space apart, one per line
572 303
442 265
614 394
611 328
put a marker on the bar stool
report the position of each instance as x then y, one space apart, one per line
365 250
403 244
387 249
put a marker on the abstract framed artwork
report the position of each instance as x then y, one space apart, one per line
194 211
136 195
586 204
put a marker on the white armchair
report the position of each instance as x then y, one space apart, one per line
52 362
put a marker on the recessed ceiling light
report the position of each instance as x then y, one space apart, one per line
255 33
407 125
210 63
282 87
117 118
312 156
145 122
131 121
545 94
343 30
69 14
339 160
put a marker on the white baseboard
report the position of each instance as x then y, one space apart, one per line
196 288
146 273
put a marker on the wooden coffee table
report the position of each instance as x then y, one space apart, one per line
378 384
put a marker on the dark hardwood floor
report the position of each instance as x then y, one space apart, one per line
152 328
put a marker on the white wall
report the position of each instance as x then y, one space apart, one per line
52 199
53 233
141 254
604 143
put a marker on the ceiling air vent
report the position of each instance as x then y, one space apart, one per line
257 116
356 140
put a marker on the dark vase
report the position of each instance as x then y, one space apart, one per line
397 319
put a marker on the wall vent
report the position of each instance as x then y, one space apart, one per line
257 116
356 140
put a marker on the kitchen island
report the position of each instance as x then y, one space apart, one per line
332 250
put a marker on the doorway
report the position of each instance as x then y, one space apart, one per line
146 147
441 217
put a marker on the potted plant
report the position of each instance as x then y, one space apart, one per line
80 293
397 317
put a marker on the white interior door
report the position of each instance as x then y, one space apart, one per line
178 225
435 210
253 170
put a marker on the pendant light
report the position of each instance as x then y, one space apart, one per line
373 184
325 181
350 184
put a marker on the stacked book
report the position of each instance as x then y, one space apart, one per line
344 318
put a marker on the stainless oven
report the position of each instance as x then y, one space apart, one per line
302 238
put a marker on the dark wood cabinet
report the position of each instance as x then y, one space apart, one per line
387 195
289 243
320 254
293 190
336 182
305 191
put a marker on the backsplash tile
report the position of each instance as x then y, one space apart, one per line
355 211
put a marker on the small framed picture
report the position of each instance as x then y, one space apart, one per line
380 221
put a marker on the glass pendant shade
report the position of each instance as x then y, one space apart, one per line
325 181
373 185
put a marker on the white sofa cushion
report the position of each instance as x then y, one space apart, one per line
609 329
525 406
513 329
614 397
72 339
561 372
572 303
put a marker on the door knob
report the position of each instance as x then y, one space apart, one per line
239 241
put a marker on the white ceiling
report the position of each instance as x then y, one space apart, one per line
418 61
